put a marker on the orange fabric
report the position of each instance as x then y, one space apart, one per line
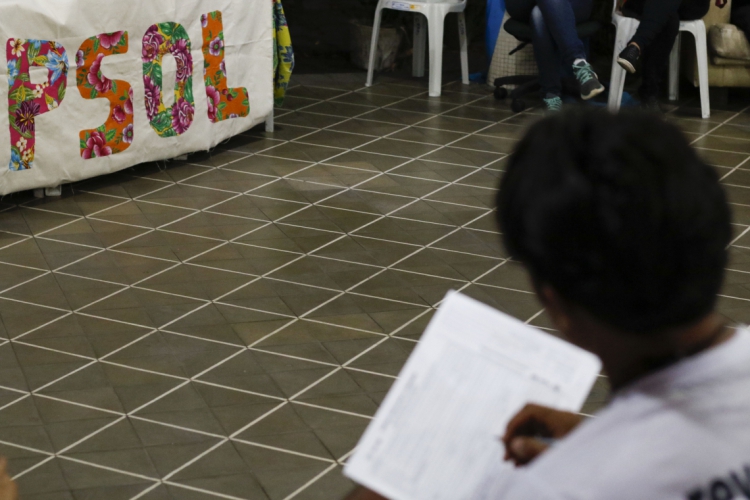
223 102
116 135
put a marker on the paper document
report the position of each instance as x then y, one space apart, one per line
437 434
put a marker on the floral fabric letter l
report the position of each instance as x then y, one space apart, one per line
223 102
26 101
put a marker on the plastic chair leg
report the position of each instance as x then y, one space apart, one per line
436 23
616 87
701 49
625 30
374 44
674 70
464 48
420 45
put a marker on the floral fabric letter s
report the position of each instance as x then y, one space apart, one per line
26 101
159 40
223 102
116 135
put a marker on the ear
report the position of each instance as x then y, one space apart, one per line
577 326
556 307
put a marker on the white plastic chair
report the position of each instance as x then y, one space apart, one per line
432 12
626 28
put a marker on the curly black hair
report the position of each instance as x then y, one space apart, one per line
620 216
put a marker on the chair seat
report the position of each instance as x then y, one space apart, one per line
523 31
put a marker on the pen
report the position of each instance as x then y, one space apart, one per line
548 441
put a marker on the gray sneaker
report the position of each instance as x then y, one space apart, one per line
589 82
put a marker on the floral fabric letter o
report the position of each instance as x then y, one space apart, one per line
116 135
159 40
223 102
27 101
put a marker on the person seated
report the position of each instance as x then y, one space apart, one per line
654 40
624 232
557 46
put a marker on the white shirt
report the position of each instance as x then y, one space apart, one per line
681 433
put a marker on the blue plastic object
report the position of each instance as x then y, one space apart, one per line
628 101
478 77
495 14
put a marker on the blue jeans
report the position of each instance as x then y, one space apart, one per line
556 42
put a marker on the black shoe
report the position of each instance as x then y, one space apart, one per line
628 57
651 104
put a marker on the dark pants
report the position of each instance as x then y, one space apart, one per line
660 25
555 40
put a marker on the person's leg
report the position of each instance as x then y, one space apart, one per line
656 59
561 17
634 8
520 10
548 60
655 16
690 10
547 55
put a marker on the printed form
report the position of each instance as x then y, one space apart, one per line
437 434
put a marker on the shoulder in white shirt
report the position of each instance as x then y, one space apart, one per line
682 433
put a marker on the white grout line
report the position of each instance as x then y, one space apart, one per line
147 491
199 490
205 371
380 342
310 482
739 237
718 126
535 316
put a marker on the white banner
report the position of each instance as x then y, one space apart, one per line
213 58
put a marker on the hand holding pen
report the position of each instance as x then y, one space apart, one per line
534 429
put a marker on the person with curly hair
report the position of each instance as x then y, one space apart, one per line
624 231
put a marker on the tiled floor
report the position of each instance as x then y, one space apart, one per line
225 327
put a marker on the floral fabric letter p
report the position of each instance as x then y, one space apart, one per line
25 100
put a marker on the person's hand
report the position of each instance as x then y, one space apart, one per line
533 421
8 489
